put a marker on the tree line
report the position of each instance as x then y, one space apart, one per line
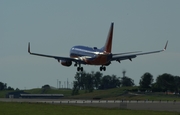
96 80
3 86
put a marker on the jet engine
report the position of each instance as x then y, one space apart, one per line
66 63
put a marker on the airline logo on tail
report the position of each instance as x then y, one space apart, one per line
108 45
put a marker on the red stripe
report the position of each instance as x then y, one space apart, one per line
108 44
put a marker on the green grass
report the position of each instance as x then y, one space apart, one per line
58 109
122 93
112 94
103 94
4 92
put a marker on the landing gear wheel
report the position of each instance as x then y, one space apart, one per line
79 68
102 68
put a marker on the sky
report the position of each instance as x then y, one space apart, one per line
54 26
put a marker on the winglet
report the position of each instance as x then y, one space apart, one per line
166 45
29 48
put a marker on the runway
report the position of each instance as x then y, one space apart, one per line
134 105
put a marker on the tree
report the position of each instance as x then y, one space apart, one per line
105 82
85 81
115 82
126 81
80 78
75 90
17 89
46 86
177 83
10 88
97 77
146 81
108 82
3 86
89 86
166 82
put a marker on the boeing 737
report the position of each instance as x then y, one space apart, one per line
94 56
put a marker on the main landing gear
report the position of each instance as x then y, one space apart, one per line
102 68
79 68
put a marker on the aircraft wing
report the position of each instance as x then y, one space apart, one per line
55 57
134 54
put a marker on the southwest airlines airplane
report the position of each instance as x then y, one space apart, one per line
94 56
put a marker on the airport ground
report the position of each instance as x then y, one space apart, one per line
133 105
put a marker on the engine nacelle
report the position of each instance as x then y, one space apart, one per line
66 63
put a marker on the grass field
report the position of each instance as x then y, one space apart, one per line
112 94
58 109
123 94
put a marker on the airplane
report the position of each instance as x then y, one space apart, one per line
93 56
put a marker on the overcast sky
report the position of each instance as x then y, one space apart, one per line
54 26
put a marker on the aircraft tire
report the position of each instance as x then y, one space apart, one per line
100 68
104 68
78 68
81 68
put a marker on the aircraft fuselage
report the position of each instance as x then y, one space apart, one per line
90 55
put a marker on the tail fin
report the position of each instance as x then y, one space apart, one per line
108 45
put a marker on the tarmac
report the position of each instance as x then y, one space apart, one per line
134 105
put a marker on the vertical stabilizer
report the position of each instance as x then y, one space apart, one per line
108 45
